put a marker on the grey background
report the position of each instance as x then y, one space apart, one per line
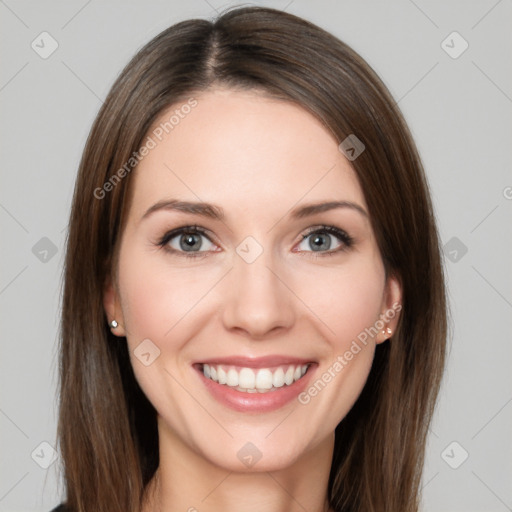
459 110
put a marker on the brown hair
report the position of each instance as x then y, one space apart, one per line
107 428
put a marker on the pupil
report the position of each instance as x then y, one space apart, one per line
320 242
190 241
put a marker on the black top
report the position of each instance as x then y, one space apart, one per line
60 508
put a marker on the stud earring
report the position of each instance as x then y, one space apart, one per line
113 324
387 330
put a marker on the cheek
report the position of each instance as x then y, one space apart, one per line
156 296
348 307
347 300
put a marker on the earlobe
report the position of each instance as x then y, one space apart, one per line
112 309
391 307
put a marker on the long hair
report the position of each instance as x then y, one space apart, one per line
107 431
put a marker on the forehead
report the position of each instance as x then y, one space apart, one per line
244 151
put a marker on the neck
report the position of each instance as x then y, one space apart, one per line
186 481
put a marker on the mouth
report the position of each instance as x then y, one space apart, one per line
253 380
250 385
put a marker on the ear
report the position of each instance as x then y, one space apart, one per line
390 310
112 307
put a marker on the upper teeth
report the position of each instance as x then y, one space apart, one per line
251 380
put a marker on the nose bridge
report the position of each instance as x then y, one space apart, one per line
257 302
256 278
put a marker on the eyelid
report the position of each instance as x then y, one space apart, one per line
163 241
345 239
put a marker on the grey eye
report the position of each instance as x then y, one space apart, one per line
190 242
319 241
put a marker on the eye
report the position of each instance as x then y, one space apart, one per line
326 239
189 241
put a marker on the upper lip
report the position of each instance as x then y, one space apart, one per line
256 362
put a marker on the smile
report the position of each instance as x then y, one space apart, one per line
258 385
249 380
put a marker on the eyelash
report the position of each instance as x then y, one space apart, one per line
342 236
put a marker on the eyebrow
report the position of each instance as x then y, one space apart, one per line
217 213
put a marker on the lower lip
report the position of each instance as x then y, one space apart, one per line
256 402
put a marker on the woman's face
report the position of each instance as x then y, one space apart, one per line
248 258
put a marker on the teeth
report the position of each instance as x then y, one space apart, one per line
232 378
249 380
264 379
278 378
246 378
288 376
221 374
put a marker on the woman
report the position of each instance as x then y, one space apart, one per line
254 307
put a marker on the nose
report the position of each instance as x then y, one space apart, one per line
258 302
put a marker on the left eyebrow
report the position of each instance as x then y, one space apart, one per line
312 209
204 209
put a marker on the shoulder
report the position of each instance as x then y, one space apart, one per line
60 508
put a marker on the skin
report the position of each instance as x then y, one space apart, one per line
257 158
